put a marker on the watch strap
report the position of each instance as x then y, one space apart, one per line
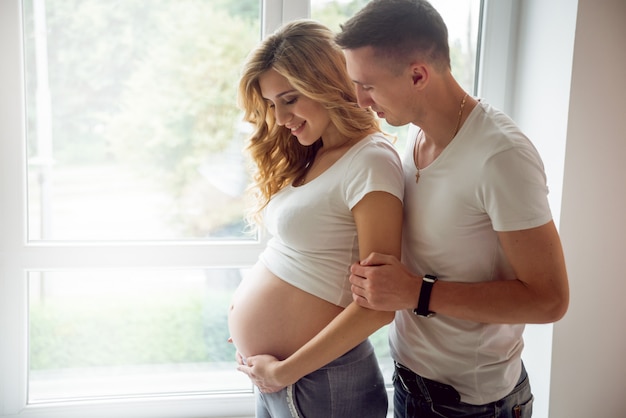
424 300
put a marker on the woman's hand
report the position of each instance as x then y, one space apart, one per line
263 370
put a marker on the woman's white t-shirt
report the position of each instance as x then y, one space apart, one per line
314 239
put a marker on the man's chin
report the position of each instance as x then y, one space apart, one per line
393 123
382 115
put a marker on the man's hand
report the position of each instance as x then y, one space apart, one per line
263 371
382 283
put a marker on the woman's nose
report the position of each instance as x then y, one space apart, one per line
282 115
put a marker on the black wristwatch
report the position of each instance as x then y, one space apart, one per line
424 300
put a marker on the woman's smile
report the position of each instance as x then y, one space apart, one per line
295 130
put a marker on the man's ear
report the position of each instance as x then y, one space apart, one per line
419 74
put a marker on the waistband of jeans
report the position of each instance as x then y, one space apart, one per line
438 392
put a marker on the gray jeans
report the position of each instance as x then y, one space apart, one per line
350 386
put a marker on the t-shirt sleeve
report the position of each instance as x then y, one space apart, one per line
515 191
376 167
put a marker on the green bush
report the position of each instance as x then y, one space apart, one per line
133 332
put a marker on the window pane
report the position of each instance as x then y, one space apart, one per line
133 129
125 333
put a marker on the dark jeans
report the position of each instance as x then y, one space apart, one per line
418 397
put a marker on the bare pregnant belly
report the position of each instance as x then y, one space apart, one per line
270 316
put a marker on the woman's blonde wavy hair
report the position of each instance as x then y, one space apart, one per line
304 52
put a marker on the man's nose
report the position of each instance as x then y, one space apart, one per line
363 97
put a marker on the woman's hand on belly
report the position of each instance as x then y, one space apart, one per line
263 371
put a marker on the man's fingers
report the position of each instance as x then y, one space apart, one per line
357 292
361 300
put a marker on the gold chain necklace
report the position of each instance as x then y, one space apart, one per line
456 130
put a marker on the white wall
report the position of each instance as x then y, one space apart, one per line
589 346
538 102
569 96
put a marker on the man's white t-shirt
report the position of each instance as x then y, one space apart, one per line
489 178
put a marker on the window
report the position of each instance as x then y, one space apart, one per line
121 179
133 130
127 205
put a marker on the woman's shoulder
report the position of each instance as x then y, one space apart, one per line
376 144
373 154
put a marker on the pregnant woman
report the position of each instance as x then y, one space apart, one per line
329 190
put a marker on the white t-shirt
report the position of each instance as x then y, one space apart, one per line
314 238
489 178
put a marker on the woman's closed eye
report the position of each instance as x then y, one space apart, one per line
291 100
285 102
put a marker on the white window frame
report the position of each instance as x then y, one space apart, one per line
18 256
495 75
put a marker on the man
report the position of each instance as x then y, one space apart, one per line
481 255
